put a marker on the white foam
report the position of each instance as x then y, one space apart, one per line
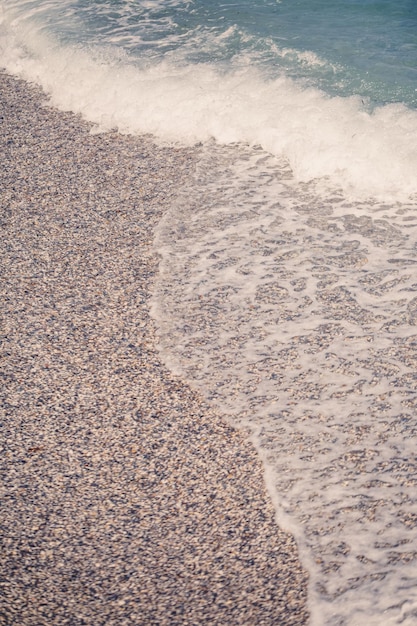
295 313
365 153
305 56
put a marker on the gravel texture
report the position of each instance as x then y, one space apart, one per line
125 499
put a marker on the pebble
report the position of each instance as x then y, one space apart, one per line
125 499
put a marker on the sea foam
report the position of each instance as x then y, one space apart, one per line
338 139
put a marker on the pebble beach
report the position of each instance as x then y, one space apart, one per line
126 499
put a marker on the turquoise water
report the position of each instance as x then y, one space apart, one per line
328 85
366 47
287 289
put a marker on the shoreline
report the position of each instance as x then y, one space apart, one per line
127 500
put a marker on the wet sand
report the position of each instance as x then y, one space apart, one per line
126 500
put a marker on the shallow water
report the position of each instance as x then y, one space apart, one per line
287 290
295 313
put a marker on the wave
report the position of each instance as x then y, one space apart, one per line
368 153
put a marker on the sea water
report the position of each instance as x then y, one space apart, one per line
287 291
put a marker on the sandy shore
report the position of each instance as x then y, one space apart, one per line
125 500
